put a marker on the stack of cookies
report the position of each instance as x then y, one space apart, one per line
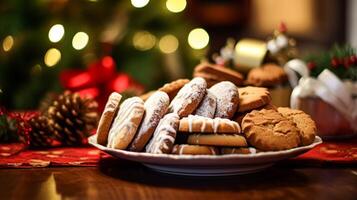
188 117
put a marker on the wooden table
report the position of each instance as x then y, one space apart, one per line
118 179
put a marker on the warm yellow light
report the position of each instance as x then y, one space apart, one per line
8 43
52 57
144 40
139 3
56 33
176 5
168 44
198 38
80 40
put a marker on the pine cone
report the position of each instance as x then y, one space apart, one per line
41 135
72 117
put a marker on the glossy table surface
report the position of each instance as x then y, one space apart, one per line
119 179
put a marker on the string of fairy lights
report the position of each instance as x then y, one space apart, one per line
197 38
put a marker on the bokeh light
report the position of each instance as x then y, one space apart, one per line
52 57
176 6
168 44
56 33
198 38
139 3
143 40
8 43
80 40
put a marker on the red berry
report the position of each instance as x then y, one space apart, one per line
353 59
335 62
311 65
346 62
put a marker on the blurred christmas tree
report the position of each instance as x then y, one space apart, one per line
40 39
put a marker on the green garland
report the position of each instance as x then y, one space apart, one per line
341 60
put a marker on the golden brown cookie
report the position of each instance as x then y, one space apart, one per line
126 123
267 75
227 99
106 120
189 97
199 124
155 108
252 97
218 73
164 136
270 131
208 105
229 140
303 121
172 88
238 117
238 150
186 149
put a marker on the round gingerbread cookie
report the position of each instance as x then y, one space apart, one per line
270 131
189 97
155 108
126 123
208 105
252 97
238 150
303 121
106 120
238 117
227 99
164 136
186 149
231 140
172 88
267 75
199 124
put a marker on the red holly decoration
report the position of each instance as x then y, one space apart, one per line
353 59
335 62
311 65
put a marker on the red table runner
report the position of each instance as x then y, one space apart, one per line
343 152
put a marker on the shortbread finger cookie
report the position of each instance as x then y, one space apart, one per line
219 73
238 150
186 149
252 97
208 105
230 140
189 97
106 120
199 124
268 75
303 121
126 123
172 88
270 131
155 108
227 99
164 136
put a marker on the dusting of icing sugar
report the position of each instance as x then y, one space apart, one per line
128 109
227 99
164 134
195 89
208 105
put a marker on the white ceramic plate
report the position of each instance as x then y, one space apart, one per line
207 165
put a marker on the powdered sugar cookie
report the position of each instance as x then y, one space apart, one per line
106 120
227 99
189 97
155 108
164 136
208 105
126 123
199 124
